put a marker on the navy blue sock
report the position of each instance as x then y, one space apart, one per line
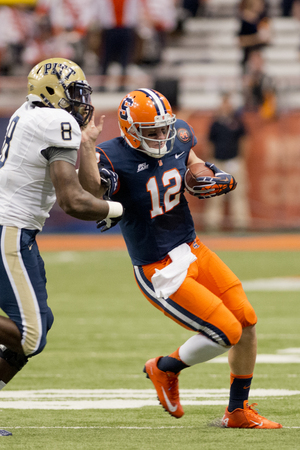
169 364
239 391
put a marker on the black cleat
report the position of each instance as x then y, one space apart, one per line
5 433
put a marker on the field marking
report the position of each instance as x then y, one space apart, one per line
272 284
69 399
103 427
283 356
263 359
112 428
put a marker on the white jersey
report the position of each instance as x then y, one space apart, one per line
26 190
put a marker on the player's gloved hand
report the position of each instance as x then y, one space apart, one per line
115 214
109 179
220 184
106 224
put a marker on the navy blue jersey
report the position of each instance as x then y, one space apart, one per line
157 217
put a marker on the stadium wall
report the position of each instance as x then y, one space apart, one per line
273 163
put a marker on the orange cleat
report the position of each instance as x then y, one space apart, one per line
166 385
247 418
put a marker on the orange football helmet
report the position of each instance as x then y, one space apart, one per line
147 109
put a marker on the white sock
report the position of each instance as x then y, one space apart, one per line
2 385
199 349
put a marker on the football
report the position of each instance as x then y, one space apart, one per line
193 172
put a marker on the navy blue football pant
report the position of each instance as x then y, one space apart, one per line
23 294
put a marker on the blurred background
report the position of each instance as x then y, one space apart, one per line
231 68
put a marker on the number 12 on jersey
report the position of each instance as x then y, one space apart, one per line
172 191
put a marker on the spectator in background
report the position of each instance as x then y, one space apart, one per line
118 20
187 9
61 26
287 7
158 20
191 6
290 8
17 25
254 32
259 88
45 44
227 145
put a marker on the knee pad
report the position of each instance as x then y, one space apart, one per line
235 333
12 358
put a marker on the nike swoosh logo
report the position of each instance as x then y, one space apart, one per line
247 387
256 423
178 155
169 404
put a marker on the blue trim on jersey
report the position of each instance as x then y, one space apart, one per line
178 312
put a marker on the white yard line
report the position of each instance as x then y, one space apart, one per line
272 284
101 428
55 399
111 428
264 359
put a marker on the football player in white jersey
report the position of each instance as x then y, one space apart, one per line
37 166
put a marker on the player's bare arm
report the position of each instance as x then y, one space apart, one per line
71 196
193 159
88 173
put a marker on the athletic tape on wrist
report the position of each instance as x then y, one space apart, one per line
115 209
